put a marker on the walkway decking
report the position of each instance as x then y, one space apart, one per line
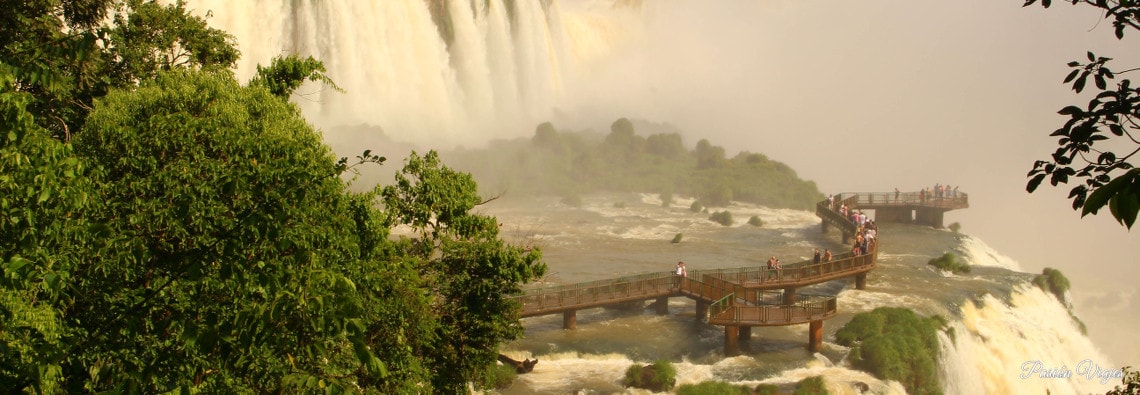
741 298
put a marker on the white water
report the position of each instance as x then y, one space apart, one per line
999 345
499 78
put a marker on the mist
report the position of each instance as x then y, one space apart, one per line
875 95
857 96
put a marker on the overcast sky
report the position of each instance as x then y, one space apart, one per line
873 95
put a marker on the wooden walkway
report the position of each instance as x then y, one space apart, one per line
742 298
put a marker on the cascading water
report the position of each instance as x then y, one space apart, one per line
502 69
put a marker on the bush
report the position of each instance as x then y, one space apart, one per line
722 217
696 207
500 376
756 221
811 386
660 376
677 238
951 263
895 344
955 227
713 388
767 389
1051 280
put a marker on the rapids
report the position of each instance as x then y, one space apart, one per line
1001 323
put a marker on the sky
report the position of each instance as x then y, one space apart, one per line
862 96
874 95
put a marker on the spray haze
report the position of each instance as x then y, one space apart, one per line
857 96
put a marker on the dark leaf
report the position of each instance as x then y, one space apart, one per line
1079 85
1102 195
1072 74
1092 58
1071 110
1034 183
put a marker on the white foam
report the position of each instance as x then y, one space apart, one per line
978 253
998 345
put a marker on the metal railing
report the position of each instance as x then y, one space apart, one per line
809 308
881 199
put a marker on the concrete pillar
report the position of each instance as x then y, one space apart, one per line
861 281
662 305
929 216
731 341
815 335
790 295
893 214
702 310
569 319
745 333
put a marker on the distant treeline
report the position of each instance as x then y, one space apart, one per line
570 164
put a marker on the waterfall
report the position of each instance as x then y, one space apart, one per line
503 71
1028 345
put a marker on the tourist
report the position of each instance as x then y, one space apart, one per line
679 274
773 267
827 255
816 258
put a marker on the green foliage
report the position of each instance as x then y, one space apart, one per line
950 262
955 227
67 53
660 376
756 221
895 344
471 270
200 239
1131 382
713 388
811 386
500 376
721 217
1109 179
553 161
285 74
767 389
45 195
677 238
1053 281
156 37
696 207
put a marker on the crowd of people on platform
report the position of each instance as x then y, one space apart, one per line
865 234
939 191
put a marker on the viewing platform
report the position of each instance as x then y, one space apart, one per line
742 298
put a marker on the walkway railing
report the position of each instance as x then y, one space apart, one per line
726 312
886 199
711 284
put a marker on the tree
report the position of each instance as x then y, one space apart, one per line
470 271
213 247
65 54
1110 118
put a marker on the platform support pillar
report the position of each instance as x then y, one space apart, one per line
569 319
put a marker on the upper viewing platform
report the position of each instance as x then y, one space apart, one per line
922 207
